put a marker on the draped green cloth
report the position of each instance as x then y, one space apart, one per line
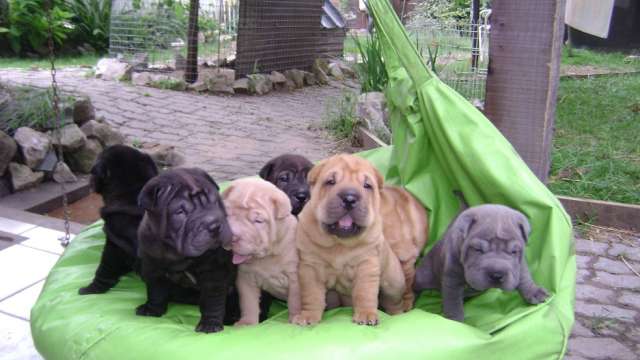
441 143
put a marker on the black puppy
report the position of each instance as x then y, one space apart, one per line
118 175
289 173
181 237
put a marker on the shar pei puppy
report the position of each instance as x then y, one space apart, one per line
482 248
289 173
341 243
182 236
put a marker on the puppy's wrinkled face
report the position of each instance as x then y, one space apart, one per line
493 252
120 170
187 207
289 173
345 195
255 209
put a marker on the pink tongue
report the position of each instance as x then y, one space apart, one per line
345 222
239 259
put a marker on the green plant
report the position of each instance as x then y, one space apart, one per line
29 107
169 84
372 72
92 19
28 28
341 120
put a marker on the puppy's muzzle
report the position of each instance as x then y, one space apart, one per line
349 198
302 196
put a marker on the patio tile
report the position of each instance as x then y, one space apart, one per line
14 227
21 266
20 304
15 339
9 239
44 239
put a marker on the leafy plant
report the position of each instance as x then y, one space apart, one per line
169 84
341 118
92 19
372 73
28 28
29 107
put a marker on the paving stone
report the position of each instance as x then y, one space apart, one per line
585 292
579 330
582 275
630 298
590 246
600 348
619 281
629 252
583 260
611 266
605 311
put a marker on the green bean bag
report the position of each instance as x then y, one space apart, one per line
442 143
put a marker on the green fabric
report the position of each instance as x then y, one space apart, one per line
442 143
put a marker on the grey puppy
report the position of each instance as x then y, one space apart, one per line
483 248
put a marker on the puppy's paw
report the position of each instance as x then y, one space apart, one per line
148 310
535 295
307 318
93 288
209 326
455 316
365 317
243 322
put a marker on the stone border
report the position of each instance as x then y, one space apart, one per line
597 212
47 196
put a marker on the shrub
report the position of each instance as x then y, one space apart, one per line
29 107
91 19
341 119
28 26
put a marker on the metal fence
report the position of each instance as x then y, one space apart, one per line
458 52
156 32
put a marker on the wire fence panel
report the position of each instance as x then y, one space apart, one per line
155 32
457 52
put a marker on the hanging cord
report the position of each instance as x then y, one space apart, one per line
64 240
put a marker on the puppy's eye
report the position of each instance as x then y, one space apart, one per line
368 186
179 212
478 249
283 178
515 252
258 221
330 181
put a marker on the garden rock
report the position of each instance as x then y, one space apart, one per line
141 78
163 155
277 79
335 71
5 186
140 61
102 132
23 178
321 76
296 76
33 145
82 160
83 111
310 79
179 62
320 64
113 69
346 69
371 110
8 149
259 84
62 174
199 86
241 86
219 84
70 138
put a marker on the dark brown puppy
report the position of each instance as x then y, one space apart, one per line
289 173
181 238
118 175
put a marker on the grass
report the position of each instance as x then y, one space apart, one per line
596 151
341 118
65 61
609 60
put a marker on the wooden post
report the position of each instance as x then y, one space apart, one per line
522 81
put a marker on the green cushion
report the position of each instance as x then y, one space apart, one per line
442 143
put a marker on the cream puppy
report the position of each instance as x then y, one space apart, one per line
263 245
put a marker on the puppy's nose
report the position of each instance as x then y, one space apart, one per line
496 276
302 196
349 198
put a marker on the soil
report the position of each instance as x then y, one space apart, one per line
83 211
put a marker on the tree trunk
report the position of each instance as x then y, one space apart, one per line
191 71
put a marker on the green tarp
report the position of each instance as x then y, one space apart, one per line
442 143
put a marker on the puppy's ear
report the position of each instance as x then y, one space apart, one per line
227 191
523 225
378 177
267 169
148 197
150 166
281 205
314 173
460 230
